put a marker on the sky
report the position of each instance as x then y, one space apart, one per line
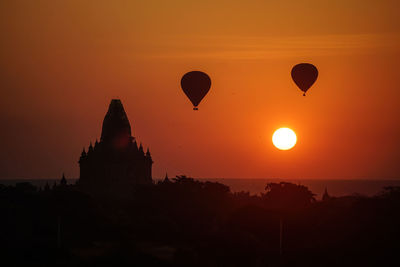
61 63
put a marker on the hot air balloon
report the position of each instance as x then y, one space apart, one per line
304 76
195 85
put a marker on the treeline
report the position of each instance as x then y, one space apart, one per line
186 222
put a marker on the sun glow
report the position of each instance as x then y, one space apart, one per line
284 138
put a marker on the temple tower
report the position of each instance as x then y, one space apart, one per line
116 160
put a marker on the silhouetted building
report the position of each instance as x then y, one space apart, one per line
166 179
116 160
326 196
63 181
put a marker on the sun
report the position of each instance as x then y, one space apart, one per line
284 138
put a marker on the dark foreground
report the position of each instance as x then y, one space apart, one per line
184 222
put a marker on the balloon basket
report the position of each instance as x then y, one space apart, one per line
195 108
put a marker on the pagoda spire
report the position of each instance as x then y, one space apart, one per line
141 148
63 180
166 179
90 149
115 123
135 144
326 196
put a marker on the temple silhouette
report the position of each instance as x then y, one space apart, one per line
116 161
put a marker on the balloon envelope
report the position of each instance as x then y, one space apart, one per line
304 75
195 85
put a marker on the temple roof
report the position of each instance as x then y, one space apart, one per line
116 123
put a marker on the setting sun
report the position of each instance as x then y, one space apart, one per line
284 138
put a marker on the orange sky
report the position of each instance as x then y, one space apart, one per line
61 62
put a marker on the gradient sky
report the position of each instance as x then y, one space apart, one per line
61 62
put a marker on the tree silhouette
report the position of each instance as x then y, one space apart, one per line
287 196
